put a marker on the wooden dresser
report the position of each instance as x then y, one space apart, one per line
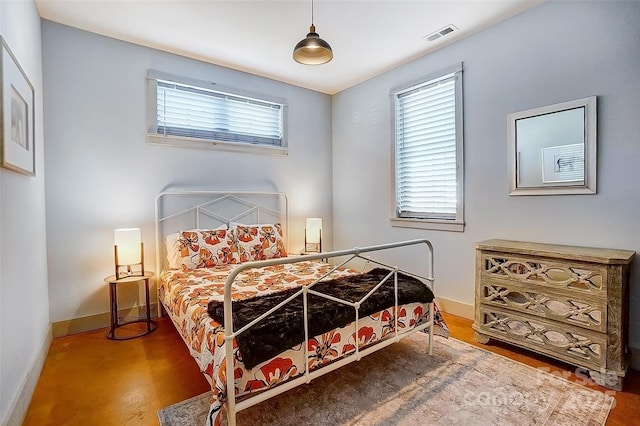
570 303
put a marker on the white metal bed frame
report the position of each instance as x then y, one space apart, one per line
233 406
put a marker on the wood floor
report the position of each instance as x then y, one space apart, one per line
90 380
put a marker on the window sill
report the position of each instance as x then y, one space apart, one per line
435 225
184 142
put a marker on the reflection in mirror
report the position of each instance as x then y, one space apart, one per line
538 140
552 150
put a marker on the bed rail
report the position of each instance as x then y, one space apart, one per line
356 253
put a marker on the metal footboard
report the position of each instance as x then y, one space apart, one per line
233 406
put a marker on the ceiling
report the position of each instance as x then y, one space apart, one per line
367 37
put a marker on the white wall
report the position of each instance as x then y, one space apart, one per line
24 303
557 52
102 174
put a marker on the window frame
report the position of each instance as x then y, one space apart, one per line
457 224
155 138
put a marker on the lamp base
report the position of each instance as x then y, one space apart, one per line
312 248
135 270
127 271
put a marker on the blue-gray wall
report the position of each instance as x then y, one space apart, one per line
556 52
102 174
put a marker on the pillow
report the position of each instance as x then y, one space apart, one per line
200 248
204 248
173 252
258 242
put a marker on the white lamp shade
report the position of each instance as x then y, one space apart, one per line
314 226
128 242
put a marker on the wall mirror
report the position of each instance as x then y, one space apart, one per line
552 149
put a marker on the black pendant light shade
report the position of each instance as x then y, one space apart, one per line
312 50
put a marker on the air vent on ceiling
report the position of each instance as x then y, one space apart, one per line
441 33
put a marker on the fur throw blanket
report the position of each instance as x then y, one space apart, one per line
284 328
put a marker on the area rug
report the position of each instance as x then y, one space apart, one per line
403 385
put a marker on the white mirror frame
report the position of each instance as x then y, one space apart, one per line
590 160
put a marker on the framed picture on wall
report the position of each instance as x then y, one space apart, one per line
17 150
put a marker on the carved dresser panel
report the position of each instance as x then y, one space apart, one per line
570 303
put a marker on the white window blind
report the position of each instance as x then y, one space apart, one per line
191 112
426 147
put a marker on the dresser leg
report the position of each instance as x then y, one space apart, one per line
609 380
481 338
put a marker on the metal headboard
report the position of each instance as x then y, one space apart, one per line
200 209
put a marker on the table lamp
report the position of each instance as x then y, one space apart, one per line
313 235
128 253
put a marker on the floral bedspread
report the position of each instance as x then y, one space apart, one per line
185 295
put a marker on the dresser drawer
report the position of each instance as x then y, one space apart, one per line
581 278
572 344
561 306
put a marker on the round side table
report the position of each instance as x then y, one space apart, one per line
113 301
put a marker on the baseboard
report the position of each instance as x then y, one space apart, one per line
20 405
97 321
456 308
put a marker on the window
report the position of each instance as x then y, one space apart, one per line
198 114
428 170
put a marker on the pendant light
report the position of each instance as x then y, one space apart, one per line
312 50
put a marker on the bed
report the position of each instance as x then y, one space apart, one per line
234 293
